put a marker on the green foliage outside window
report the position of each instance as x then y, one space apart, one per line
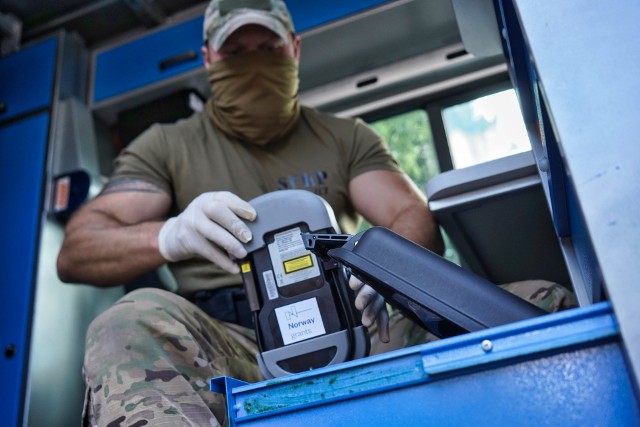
410 141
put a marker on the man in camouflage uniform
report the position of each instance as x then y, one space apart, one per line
149 358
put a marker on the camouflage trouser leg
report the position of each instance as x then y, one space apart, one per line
149 359
403 333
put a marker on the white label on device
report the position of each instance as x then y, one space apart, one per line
292 263
300 321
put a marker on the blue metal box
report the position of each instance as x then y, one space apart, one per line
563 369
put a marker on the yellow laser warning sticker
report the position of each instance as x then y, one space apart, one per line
292 262
246 267
297 264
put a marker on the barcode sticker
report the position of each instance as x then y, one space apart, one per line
270 284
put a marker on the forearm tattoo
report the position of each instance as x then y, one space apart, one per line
121 185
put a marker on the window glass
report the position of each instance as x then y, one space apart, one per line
485 129
409 139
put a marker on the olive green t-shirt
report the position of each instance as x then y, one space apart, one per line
321 154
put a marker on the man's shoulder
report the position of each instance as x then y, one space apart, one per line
315 116
193 125
169 137
342 128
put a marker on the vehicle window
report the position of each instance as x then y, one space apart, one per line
484 129
410 140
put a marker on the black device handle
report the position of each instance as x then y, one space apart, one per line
320 244
190 55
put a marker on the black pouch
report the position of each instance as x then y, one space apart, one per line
225 304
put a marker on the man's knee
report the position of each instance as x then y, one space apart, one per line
137 314
121 306
548 296
138 301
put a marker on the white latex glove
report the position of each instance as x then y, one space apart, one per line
372 306
211 227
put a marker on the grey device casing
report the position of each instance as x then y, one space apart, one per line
278 212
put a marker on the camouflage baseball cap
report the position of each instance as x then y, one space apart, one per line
223 17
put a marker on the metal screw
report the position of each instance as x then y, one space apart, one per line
486 346
543 164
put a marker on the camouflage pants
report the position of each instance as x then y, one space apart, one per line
149 358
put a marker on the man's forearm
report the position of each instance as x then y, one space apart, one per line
390 199
107 253
416 223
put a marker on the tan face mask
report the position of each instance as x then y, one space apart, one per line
255 96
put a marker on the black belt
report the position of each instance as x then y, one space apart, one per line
227 304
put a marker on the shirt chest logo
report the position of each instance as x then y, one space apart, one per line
315 182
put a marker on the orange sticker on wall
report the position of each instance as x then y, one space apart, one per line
63 187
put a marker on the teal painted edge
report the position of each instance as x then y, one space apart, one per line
329 387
